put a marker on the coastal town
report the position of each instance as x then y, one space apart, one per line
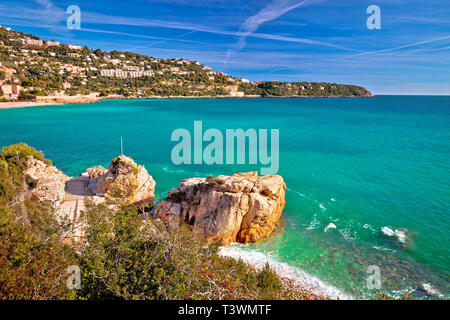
33 69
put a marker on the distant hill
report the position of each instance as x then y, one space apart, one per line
32 68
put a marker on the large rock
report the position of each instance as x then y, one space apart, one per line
122 179
94 172
242 207
126 180
45 181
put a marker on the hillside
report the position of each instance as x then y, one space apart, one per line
32 68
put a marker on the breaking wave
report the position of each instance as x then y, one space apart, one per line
259 260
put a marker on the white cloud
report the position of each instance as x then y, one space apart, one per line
388 50
272 11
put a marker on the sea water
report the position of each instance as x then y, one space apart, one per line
367 178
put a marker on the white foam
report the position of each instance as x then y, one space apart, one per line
400 234
347 234
383 248
314 223
329 226
430 291
302 195
259 260
166 169
388 231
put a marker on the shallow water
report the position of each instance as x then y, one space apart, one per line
359 163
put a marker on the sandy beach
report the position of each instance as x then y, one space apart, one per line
25 104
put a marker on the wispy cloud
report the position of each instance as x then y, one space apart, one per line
50 16
96 18
272 11
45 14
406 46
45 3
162 41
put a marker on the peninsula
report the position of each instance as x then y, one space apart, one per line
40 71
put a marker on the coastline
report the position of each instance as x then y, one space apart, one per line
26 104
292 277
64 101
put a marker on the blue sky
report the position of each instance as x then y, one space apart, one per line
285 40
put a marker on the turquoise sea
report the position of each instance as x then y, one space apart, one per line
359 163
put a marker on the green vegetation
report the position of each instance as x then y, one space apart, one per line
46 70
124 255
32 258
128 257
304 89
214 180
21 151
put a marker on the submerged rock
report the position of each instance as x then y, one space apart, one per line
400 234
239 208
329 226
428 290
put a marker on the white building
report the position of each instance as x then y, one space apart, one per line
34 42
52 43
74 46
126 74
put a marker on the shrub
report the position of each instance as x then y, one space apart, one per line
268 280
24 96
127 257
22 150
3 164
212 179
32 259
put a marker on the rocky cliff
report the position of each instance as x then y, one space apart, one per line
124 179
45 181
243 207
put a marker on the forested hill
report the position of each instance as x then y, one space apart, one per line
33 68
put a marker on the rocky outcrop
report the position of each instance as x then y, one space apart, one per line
243 207
45 181
88 180
94 172
428 290
124 179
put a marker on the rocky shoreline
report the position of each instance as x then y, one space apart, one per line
239 208
304 284
242 208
